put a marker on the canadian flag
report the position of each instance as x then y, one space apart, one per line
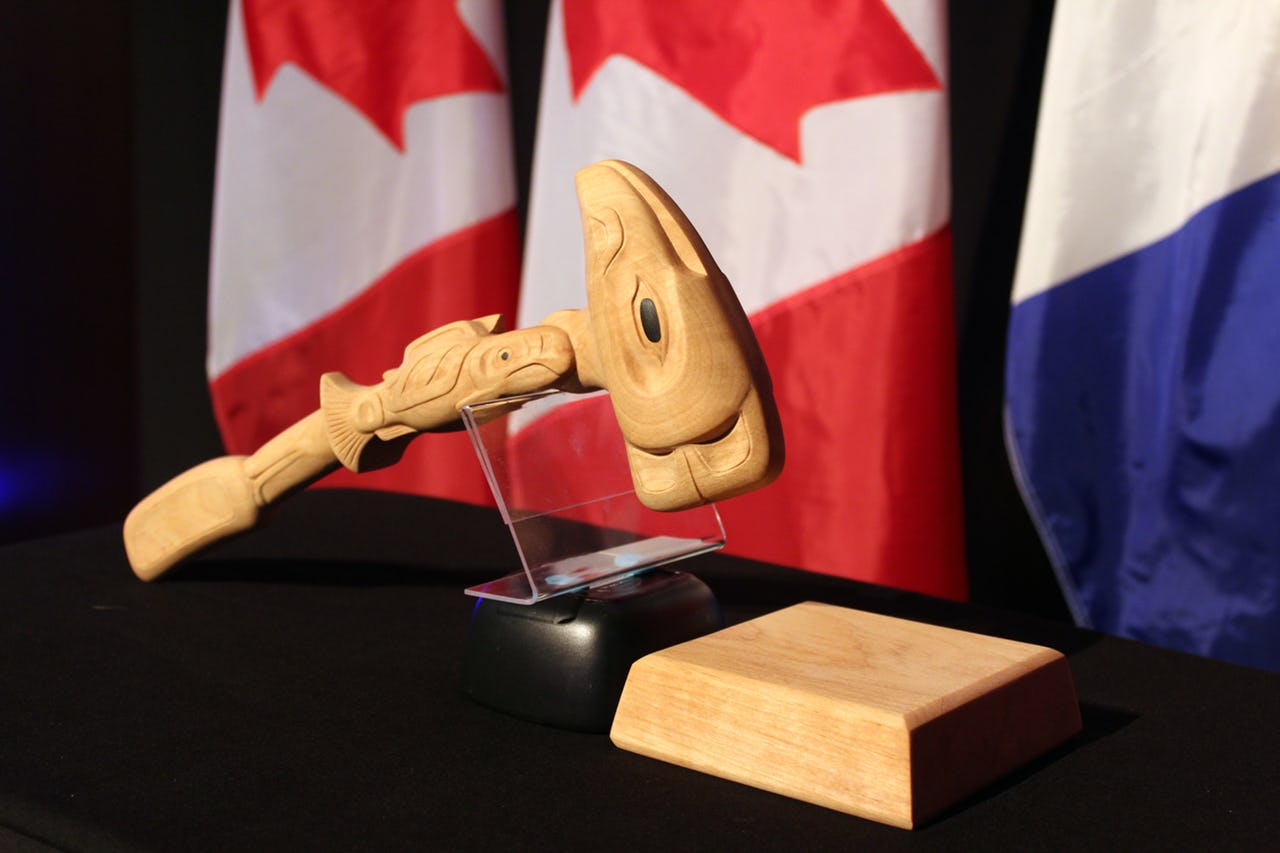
807 141
365 195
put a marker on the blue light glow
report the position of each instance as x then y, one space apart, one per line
29 481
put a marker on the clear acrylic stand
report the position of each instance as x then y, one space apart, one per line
564 490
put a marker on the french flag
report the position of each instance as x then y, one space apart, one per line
1143 373
808 144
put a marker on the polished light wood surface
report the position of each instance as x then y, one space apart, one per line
663 332
879 717
688 383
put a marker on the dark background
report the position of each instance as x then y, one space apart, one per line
108 136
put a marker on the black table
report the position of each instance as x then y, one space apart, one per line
298 689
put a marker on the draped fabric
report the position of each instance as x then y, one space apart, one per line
1143 379
365 195
808 144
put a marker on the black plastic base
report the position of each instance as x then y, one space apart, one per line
564 662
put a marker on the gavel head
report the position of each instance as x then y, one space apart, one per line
688 383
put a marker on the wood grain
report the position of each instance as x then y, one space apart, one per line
875 716
662 332
688 383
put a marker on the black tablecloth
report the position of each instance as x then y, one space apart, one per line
299 689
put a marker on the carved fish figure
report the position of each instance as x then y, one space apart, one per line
457 364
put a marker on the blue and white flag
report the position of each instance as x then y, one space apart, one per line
1143 376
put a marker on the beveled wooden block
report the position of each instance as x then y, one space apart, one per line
879 717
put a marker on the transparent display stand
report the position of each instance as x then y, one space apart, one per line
563 486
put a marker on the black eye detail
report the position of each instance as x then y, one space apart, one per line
649 320
505 356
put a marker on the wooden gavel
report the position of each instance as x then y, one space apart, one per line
663 332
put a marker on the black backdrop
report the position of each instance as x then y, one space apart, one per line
108 134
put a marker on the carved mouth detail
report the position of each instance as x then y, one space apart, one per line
729 426
718 434
725 450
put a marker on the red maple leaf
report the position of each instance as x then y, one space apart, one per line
380 56
758 64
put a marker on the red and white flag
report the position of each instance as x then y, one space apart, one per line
807 142
365 195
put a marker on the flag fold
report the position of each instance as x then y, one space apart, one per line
1143 374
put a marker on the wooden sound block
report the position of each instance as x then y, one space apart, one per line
879 717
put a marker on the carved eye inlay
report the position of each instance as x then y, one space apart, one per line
649 320
505 355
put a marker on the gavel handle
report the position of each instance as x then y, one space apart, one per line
223 496
362 427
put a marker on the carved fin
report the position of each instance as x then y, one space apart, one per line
337 397
492 324
476 328
391 433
